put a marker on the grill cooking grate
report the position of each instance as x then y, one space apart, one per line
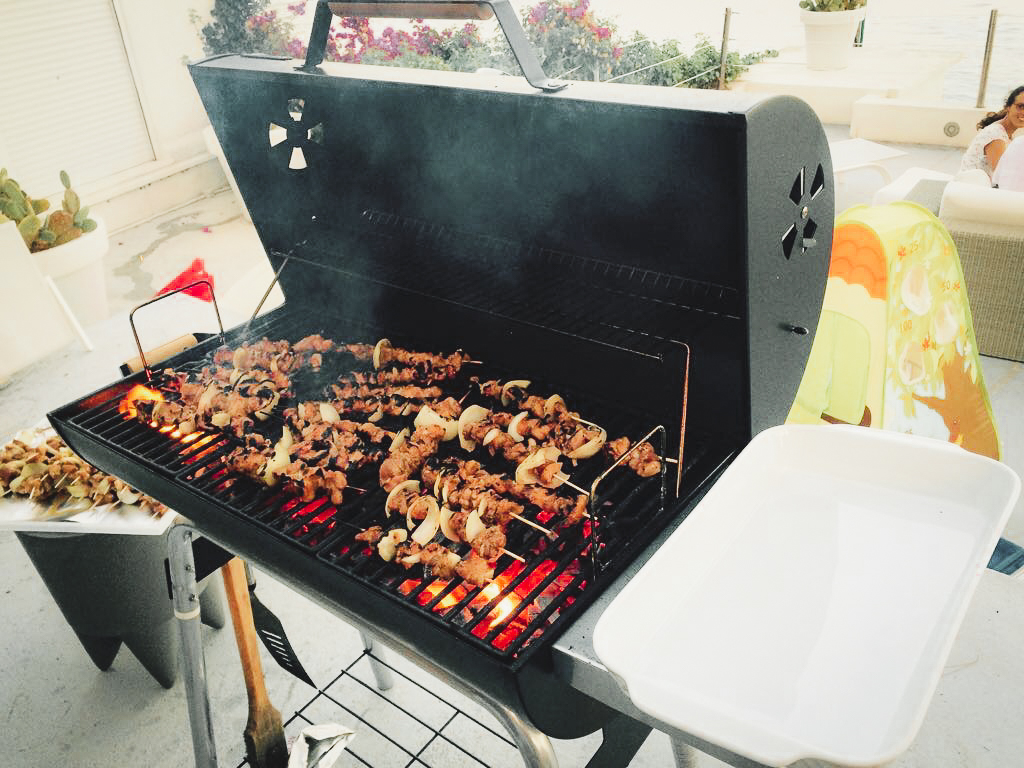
503 617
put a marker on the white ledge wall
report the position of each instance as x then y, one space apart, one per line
905 121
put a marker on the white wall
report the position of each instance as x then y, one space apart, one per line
159 39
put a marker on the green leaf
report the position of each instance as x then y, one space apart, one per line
29 227
65 179
71 202
87 226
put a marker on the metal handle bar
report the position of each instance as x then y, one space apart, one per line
135 333
443 9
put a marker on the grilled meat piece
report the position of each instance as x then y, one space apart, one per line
644 461
407 459
475 570
490 543
371 535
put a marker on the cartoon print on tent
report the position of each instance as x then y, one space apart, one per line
843 379
920 347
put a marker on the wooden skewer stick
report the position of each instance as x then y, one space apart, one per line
513 555
547 532
565 480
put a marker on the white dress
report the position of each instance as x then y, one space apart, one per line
1010 171
974 155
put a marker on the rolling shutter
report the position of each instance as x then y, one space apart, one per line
68 98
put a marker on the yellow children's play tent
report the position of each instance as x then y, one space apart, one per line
895 345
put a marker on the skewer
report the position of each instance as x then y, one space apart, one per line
513 555
549 533
565 481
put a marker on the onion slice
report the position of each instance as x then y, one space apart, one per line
437 484
386 548
329 413
474 414
506 388
550 403
525 474
377 349
513 426
206 399
590 447
399 440
430 501
489 437
281 458
407 485
474 525
426 530
128 495
264 413
428 416
445 522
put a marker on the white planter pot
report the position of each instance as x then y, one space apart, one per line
32 321
77 269
829 37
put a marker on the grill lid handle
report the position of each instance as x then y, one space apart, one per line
436 9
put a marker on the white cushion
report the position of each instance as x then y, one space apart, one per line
900 188
975 176
969 206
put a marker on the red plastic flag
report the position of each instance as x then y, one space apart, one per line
196 271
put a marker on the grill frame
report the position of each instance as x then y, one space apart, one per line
138 453
716 349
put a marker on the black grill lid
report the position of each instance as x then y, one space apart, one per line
598 217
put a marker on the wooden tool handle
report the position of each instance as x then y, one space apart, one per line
265 745
162 352
237 588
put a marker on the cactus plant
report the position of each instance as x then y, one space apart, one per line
832 5
57 228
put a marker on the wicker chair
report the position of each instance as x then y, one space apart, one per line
987 226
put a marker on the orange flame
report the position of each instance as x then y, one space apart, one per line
508 603
138 392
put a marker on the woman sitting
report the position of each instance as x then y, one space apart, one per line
994 133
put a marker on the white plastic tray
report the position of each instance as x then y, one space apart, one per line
807 606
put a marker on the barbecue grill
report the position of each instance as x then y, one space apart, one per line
657 256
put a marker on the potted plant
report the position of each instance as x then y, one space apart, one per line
68 243
829 29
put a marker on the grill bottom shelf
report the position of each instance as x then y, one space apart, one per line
410 724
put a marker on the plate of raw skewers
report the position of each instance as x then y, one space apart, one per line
45 486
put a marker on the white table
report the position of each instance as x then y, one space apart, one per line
855 154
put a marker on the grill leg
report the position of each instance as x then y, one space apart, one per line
685 755
381 673
623 736
187 610
534 746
